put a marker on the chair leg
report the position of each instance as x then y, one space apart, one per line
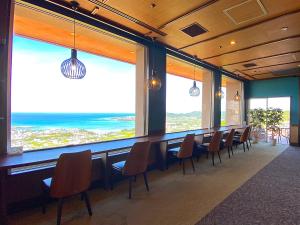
183 166
59 210
130 187
231 149
219 157
228 152
247 145
193 164
213 158
250 143
244 147
146 181
87 202
44 200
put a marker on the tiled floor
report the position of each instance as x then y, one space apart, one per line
173 199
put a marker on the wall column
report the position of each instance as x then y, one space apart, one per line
217 100
233 108
206 99
157 99
141 91
6 31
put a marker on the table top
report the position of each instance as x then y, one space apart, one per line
51 155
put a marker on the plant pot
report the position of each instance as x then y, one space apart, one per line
273 142
255 140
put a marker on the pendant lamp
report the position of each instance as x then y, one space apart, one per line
237 97
73 68
194 90
220 93
154 83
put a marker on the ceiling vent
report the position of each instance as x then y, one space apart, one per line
288 72
246 11
194 30
248 65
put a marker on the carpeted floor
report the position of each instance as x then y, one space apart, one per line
271 197
173 199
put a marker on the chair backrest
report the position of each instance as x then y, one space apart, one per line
229 138
137 160
214 145
244 137
72 174
187 146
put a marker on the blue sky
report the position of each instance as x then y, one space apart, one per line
109 85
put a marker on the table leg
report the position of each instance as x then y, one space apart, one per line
163 148
107 172
3 203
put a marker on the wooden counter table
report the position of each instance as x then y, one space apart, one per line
32 158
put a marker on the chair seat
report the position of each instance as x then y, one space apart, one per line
119 165
47 182
174 151
203 147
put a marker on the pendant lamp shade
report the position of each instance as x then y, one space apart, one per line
237 97
220 93
194 90
154 83
73 68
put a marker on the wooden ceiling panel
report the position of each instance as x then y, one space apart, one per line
249 54
110 15
276 60
217 23
252 36
163 11
270 69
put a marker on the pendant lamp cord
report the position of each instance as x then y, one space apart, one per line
74 27
153 58
194 68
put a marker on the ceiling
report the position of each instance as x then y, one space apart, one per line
266 32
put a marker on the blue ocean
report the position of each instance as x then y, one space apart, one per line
87 121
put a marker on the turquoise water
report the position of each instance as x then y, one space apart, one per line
87 121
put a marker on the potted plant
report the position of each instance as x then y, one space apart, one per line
274 116
257 118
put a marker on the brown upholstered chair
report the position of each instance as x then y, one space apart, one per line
243 139
72 176
135 164
212 147
228 142
185 151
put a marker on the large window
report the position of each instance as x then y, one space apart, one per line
282 103
49 110
232 101
185 112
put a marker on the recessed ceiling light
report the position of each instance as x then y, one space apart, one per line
284 28
153 5
95 10
232 42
